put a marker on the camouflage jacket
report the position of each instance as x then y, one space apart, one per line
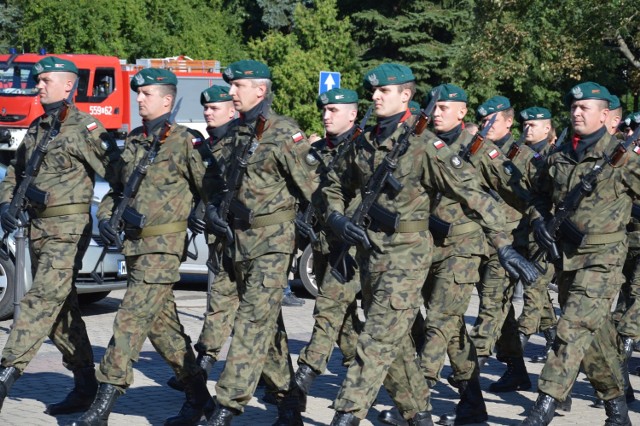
81 149
522 170
166 193
277 177
604 212
428 167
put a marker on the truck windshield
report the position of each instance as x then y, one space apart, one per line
15 79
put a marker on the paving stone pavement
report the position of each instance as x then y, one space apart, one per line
149 401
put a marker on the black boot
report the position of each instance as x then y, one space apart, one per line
627 352
550 336
524 339
564 405
617 412
344 419
98 413
80 397
470 409
304 377
222 416
421 418
197 395
206 364
515 378
392 417
483 361
8 376
289 410
542 412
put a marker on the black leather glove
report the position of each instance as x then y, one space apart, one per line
346 230
196 225
542 236
9 222
107 233
216 225
516 265
305 230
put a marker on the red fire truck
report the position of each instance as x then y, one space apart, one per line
103 91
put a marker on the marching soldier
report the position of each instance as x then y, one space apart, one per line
153 252
593 244
59 232
396 267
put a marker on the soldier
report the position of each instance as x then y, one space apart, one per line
615 115
152 253
592 243
276 174
59 233
335 313
538 313
396 267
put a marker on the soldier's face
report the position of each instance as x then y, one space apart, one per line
390 100
54 86
217 114
246 94
448 115
152 103
338 118
537 130
588 115
500 127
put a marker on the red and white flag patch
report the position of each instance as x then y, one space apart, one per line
636 149
297 137
196 142
493 153
439 144
91 127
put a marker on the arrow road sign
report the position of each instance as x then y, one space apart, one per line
328 80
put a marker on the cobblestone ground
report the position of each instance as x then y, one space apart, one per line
149 401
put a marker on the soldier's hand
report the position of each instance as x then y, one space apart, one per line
195 224
305 230
215 223
107 233
9 222
542 235
346 230
516 265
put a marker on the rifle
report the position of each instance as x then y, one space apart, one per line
477 141
230 203
516 147
124 212
572 201
368 211
26 191
305 219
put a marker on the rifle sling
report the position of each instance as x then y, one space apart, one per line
63 210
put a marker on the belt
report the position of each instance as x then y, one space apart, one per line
463 228
408 226
614 237
63 210
270 219
166 228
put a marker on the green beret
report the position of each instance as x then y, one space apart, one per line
535 113
448 93
414 107
246 69
53 64
387 75
630 121
614 102
153 76
495 104
587 90
215 94
337 96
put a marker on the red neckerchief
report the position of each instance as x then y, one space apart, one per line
574 142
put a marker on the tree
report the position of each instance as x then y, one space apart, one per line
10 17
318 41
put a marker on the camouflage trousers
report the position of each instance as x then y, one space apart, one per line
538 313
385 351
335 314
447 292
218 322
627 312
50 308
258 319
148 309
586 334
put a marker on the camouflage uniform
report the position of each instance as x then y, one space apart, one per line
275 176
153 255
626 315
592 271
59 236
394 271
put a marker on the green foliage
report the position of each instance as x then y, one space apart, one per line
10 18
318 41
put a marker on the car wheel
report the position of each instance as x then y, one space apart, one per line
88 298
7 288
305 269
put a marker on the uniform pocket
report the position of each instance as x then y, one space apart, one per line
161 276
406 292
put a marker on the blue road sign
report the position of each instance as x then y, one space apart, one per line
328 80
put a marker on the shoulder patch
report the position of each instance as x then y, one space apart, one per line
508 169
439 144
493 154
297 137
311 159
636 149
456 161
104 145
196 142
92 126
